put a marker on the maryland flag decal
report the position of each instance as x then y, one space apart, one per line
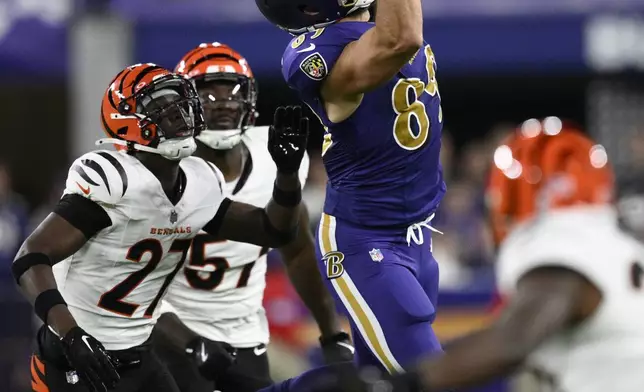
314 67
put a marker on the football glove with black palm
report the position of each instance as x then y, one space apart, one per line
88 358
337 348
287 138
212 358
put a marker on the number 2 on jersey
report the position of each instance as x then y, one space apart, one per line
113 300
409 110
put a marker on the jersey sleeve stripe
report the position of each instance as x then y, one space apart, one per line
98 169
84 175
119 168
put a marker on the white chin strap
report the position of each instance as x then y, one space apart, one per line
220 140
173 149
360 4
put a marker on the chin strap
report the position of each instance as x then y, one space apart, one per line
220 140
173 150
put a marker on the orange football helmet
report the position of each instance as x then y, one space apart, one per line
227 89
545 165
148 108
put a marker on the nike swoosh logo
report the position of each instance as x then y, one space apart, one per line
310 48
259 350
84 190
84 338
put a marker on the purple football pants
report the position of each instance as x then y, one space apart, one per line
387 288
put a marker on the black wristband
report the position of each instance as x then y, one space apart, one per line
47 300
286 198
24 263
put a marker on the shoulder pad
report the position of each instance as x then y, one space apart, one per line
99 176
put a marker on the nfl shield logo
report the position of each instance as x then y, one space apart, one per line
173 217
376 255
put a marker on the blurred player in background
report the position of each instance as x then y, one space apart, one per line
374 89
123 229
218 297
573 281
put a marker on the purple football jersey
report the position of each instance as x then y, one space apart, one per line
383 161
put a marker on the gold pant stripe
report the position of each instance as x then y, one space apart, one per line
357 310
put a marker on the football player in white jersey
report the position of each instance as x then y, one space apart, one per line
573 280
217 297
98 266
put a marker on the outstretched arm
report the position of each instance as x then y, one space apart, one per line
301 266
379 54
535 315
276 224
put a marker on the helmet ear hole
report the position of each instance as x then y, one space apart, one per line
147 133
124 107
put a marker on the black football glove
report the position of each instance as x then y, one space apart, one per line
337 348
287 138
88 358
212 358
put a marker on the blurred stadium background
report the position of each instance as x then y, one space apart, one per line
500 62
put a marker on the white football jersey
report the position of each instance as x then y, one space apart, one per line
219 293
114 283
605 352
